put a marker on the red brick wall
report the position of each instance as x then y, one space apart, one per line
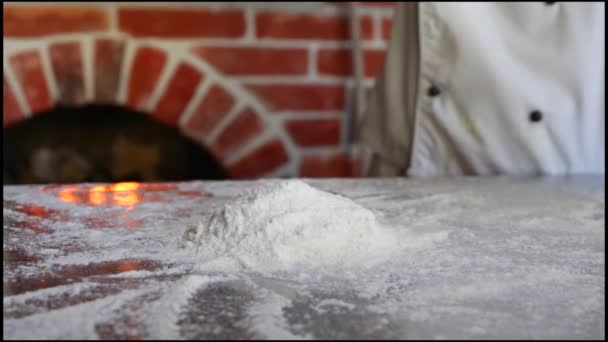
266 88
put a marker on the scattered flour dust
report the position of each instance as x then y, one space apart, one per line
283 223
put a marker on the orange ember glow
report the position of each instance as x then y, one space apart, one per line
99 188
67 194
126 186
97 197
123 194
126 199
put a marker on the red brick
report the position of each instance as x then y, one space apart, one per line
145 72
366 30
338 62
40 20
11 113
337 165
380 3
66 60
387 25
108 64
300 96
374 61
182 23
334 62
309 133
261 161
368 4
181 87
216 104
256 61
27 67
243 129
377 3
301 26
356 166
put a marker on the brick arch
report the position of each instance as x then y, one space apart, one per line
175 87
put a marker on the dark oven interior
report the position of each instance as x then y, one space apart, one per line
102 143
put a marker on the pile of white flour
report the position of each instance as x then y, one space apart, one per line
282 223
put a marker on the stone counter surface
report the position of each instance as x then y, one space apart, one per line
492 257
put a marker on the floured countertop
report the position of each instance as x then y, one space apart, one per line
478 258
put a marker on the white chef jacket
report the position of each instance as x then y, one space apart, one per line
489 88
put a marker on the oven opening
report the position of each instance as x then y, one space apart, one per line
102 143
